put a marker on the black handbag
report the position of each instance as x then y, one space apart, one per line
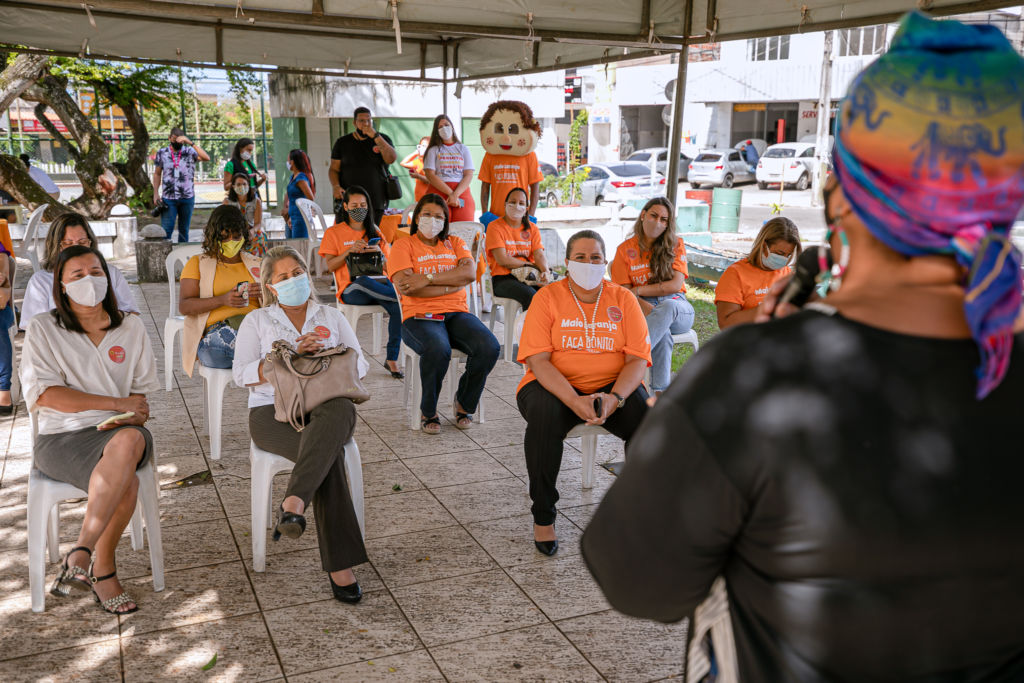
364 263
394 190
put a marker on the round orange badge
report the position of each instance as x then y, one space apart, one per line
322 331
614 314
448 244
526 234
255 271
631 253
116 354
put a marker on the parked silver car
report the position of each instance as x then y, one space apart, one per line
721 167
619 182
643 156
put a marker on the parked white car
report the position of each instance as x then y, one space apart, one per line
619 182
791 163
643 156
721 167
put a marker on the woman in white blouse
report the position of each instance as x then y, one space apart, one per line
65 231
82 365
290 313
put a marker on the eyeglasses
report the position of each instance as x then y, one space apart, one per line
84 242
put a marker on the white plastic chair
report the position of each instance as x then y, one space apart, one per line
175 322
688 337
263 466
414 390
353 313
472 233
215 381
511 310
29 249
44 498
12 332
588 434
310 209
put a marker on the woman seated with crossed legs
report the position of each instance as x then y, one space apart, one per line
586 348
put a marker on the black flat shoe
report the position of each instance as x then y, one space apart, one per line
289 524
351 593
548 548
397 374
7 410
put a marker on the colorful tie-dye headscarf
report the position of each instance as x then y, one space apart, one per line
930 152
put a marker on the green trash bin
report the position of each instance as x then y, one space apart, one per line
725 210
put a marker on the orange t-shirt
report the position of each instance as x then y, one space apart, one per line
633 267
745 284
553 324
517 243
505 172
337 240
412 252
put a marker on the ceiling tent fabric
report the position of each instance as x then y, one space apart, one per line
473 38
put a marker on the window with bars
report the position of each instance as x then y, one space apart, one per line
766 49
869 40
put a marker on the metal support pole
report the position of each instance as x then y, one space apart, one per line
821 149
266 152
678 105
444 78
181 97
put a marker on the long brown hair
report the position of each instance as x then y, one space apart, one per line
774 229
55 235
663 249
435 137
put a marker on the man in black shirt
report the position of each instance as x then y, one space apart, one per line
361 158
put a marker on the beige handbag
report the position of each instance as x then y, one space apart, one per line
303 381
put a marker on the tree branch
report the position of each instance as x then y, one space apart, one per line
19 75
40 112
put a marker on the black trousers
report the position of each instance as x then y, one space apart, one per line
548 420
318 452
508 287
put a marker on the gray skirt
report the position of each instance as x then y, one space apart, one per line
71 456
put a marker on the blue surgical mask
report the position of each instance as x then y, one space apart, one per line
294 291
775 261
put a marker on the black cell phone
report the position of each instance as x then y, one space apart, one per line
598 404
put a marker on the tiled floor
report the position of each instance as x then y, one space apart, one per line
454 589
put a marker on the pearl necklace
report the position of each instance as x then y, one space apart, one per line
589 330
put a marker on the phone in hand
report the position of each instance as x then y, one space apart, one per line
373 242
598 406
243 290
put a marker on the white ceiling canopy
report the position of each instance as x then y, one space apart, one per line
438 39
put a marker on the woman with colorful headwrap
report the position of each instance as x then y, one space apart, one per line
853 470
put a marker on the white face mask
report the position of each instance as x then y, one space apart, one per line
445 132
515 210
242 190
246 156
289 164
87 291
586 275
430 226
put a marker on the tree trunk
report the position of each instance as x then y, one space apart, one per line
134 170
19 75
102 187
15 180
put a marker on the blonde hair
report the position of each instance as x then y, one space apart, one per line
774 229
267 270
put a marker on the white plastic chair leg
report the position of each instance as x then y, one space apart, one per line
354 474
171 329
412 375
589 459
38 516
149 500
378 332
260 501
135 527
53 533
216 381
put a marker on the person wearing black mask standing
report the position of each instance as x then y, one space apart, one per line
361 158
174 181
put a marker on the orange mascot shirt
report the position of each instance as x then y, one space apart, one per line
505 172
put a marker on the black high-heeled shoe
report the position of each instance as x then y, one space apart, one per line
351 593
549 548
289 524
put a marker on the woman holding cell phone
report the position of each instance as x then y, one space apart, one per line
430 269
355 232
86 370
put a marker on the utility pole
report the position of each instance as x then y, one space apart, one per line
821 150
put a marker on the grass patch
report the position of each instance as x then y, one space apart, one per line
702 297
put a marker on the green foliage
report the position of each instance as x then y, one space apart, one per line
575 131
119 83
567 187
705 320
245 86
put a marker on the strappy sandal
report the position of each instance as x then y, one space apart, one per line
463 420
111 605
68 579
430 425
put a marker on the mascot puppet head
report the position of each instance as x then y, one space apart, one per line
508 127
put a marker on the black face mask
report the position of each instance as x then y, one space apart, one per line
176 146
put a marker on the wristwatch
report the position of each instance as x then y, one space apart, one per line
622 401
430 278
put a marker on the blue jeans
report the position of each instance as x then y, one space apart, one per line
672 314
297 230
365 291
6 349
180 210
217 347
434 341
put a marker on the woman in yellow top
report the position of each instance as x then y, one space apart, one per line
745 283
218 287
514 242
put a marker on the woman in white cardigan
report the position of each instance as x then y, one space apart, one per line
318 451
82 365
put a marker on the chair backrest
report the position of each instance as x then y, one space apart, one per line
472 233
178 256
407 214
310 209
29 249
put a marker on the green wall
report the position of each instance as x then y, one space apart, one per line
289 134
